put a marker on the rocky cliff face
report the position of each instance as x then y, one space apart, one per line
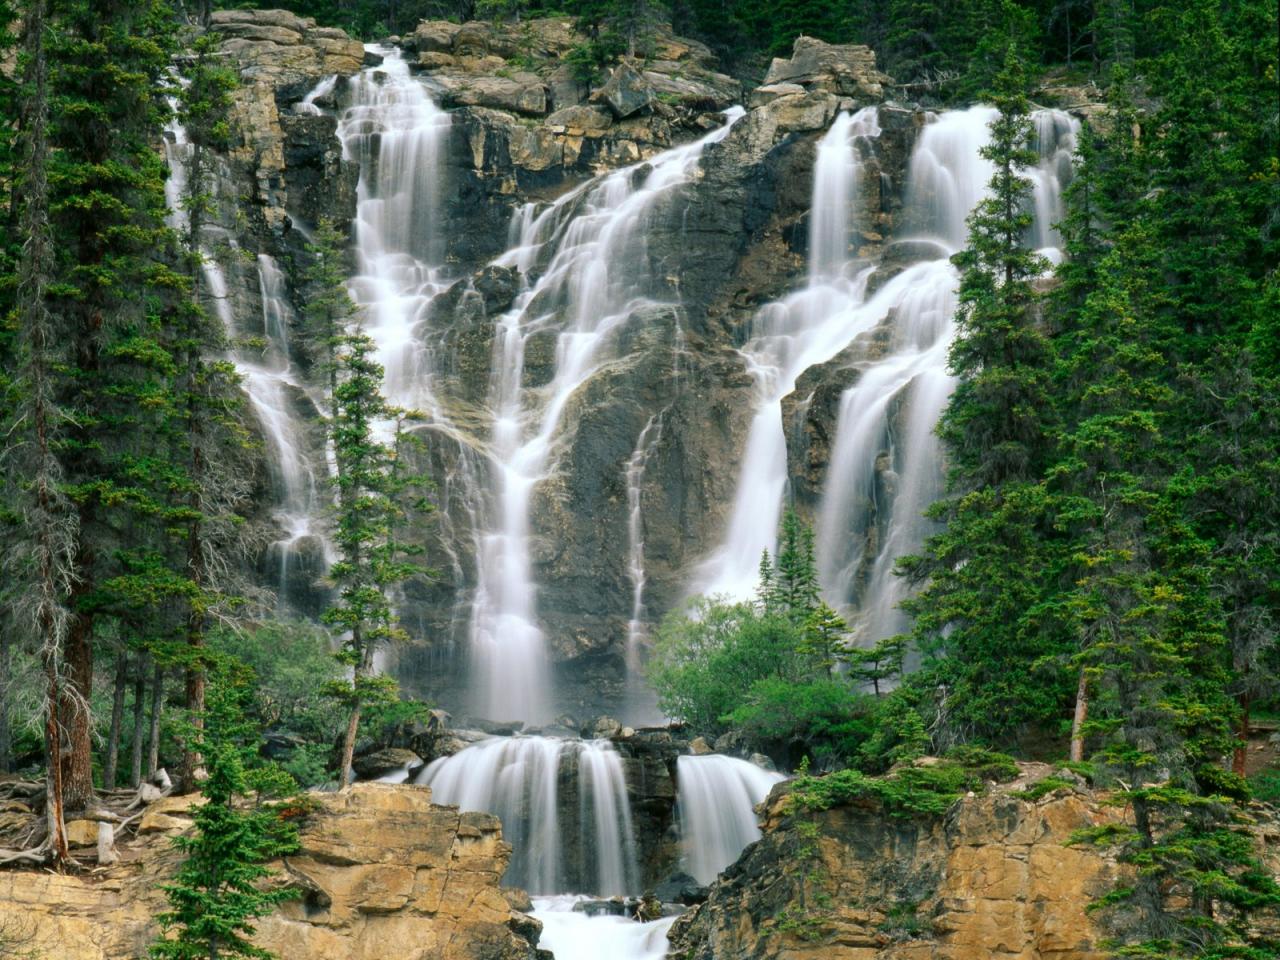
994 877
381 872
524 129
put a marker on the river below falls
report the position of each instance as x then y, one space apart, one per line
573 935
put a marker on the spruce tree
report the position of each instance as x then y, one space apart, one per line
375 491
986 615
219 891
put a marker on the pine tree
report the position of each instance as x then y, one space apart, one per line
986 616
218 893
113 287
793 585
372 558
208 485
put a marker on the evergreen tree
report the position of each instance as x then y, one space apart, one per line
210 484
987 617
375 490
790 589
218 893
368 483
44 555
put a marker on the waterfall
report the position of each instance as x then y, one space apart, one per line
573 935
593 245
524 781
267 378
807 328
716 798
397 135
885 462
307 105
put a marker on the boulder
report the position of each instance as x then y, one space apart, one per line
434 36
82 833
627 92
581 119
679 887
699 747
379 763
603 728
848 69
521 92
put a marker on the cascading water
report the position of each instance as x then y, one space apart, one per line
640 699
268 379
885 465
557 845
807 328
716 800
573 935
885 462
397 135
592 242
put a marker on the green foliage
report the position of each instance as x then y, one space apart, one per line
218 893
909 792
1042 788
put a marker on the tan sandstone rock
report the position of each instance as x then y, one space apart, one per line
381 872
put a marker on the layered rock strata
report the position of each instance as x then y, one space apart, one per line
381 872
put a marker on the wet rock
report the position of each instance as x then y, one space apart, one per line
613 907
762 761
679 887
379 763
699 747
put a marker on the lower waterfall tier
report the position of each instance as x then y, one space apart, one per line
581 818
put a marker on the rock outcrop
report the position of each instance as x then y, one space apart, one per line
993 878
381 872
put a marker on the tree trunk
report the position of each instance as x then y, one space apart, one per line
6 681
349 748
48 509
139 717
117 715
1239 757
157 703
77 715
1081 714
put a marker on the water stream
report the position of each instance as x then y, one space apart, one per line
584 264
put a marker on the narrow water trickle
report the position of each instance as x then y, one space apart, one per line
276 396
